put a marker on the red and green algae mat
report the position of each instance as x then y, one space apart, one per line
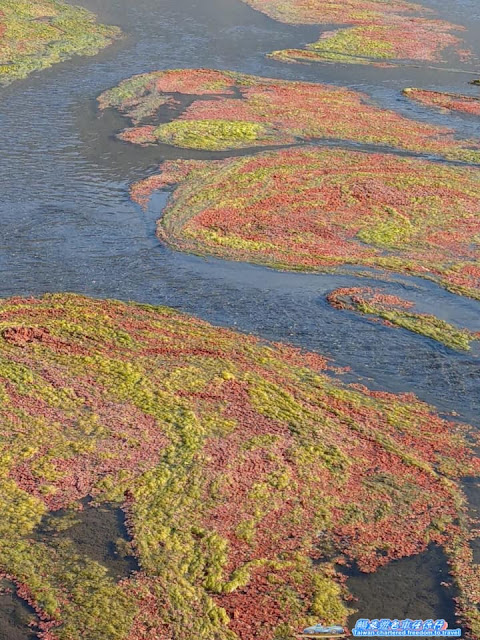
317 209
378 31
247 472
35 34
445 101
241 111
394 311
374 210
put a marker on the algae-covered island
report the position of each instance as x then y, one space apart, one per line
247 472
369 32
35 34
316 209
230 110
445 101
394 311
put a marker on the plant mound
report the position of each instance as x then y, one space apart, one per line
246 472
396 312
217 110
313 209
37 34
379 30
445 101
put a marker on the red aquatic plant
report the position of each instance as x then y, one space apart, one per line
353 297
446 101
245 471
313 209
270 112
379 30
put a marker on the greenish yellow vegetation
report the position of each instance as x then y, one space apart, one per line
211 135
37 34
398 313
239 465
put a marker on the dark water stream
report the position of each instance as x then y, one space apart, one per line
17 619
408 588
67 223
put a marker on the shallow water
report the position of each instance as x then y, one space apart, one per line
406 588
16 617
68 223
97 532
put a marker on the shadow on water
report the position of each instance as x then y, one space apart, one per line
406 588
97 532
471 489
17 618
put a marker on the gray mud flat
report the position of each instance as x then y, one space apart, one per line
98 533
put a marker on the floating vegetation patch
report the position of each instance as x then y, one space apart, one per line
37 34
213 135
236 110
314 209
246 471
396 312
380 30
445 101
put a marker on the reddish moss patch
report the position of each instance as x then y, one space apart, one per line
237 463
396 312
446 101
380 30
255 111
22 335
313 209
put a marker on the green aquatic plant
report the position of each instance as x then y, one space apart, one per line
36 35
244 470
398 313
355 45
212 135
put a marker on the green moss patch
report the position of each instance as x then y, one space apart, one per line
244 470
212 135
399 313
36 35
